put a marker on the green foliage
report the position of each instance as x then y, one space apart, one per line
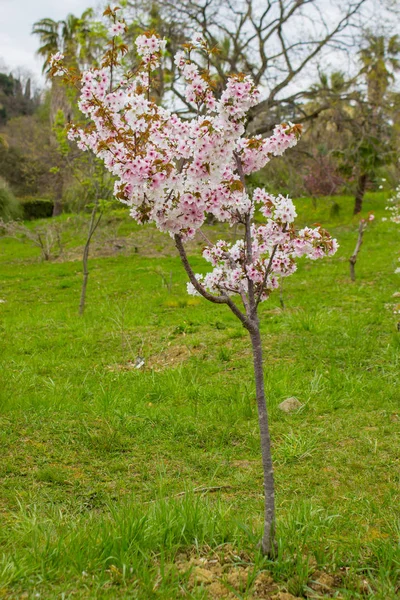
10 208
367 154
80 39
22 173
36 208
284 177
60 132
359 119
91 184
380 60
15 98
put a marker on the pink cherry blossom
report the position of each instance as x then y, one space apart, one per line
173 172
117 28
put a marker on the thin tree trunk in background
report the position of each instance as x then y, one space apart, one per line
85 278
268 544
353 257
57 208
281 300
360 191
352 270
92 228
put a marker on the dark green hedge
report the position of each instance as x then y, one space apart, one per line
37 208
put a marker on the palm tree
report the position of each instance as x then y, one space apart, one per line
59 36
49 34
379 61
72 36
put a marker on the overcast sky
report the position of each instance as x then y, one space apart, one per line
17 45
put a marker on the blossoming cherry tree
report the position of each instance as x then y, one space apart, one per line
174 172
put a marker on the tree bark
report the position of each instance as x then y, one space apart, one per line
92 228
352 268
360 191
58 193
57 208
268 544
251 322
353 257
85 278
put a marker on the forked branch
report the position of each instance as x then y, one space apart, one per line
223 299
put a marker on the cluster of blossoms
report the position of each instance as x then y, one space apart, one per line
365 222
149 47
117 28
257 151
173 172
394 207
197 89
275 246
55 61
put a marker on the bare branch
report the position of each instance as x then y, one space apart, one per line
223 299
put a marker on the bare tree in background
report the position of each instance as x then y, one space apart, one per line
97 187
277 42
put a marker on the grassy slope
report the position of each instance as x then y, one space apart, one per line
93 452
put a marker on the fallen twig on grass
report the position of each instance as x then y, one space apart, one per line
209 490
201 490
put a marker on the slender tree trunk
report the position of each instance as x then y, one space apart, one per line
353 257
281 299
92 228
268 544
352 268
85 277
58 193
360 191
251 323
57 207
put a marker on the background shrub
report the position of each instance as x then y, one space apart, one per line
10 208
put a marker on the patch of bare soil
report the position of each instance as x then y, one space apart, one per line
323 585
229 575
169 357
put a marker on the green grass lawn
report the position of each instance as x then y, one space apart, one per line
119 482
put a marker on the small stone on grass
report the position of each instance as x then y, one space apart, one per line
290 405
